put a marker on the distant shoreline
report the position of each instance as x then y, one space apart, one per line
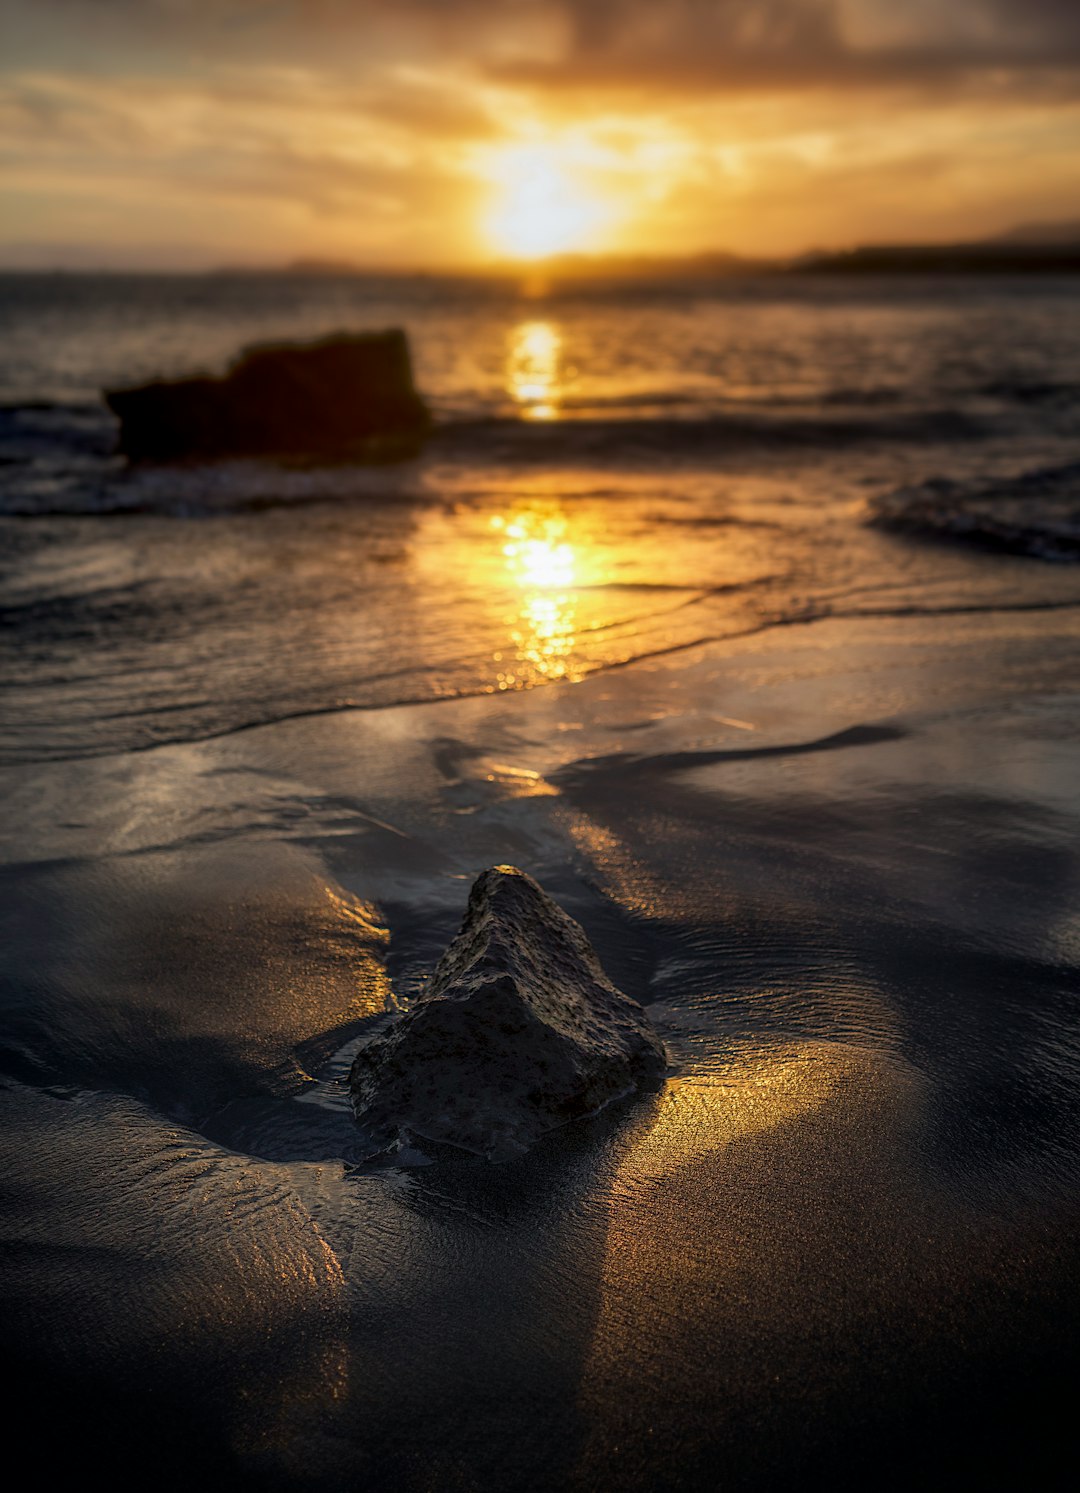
1035 249
912 262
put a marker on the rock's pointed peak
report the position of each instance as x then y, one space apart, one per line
506 885
512 925
499 887
518 1031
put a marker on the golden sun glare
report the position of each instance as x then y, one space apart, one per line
541 205
542 563
533 372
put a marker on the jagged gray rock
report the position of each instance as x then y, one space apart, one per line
518 1032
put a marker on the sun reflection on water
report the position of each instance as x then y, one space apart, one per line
540 561
534 375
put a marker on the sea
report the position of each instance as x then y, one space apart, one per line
203 593
744 615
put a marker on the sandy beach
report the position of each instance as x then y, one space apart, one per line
810 787
850 909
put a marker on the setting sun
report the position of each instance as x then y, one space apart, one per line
541 206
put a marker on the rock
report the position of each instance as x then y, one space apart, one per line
518 1032
339 396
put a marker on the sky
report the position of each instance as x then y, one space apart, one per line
199 133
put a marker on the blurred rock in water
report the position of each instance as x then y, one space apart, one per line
518 1032
343 395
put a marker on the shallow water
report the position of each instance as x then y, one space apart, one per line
811 789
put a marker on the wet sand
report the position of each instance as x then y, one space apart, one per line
839 864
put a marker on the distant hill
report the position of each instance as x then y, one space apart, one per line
1034 248
559 267
1003 256
705 266
330 267
1041 234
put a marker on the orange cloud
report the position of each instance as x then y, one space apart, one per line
379 130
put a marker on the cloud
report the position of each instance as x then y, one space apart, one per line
368 129
607 45
268 161
799 45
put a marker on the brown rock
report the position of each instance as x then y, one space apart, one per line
519 1032
347 395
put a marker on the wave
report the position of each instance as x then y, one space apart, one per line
694 435
1057 394
145 729
59 459
58 462
53 427
1036 513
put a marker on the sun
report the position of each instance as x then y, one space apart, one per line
541 204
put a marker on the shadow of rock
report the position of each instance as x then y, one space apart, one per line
467 1358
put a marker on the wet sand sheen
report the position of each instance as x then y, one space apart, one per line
851 1211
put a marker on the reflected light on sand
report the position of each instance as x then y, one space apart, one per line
368 940
533 370
696 1116
543 564
720 1214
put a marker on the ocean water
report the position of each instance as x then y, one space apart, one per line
744 427
665 613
